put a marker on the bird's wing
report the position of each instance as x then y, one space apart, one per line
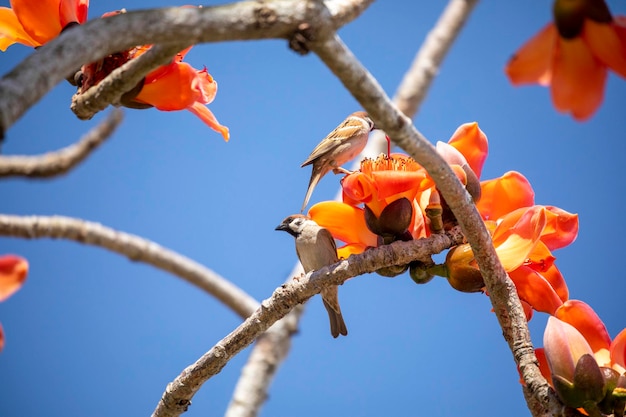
345 130
322 235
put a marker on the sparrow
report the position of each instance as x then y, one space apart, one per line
338 147
316 249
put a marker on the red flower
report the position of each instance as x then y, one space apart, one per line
13 271
572 55
33 23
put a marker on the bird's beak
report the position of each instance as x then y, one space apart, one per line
282 227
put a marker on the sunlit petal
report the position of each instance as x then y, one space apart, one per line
351 249
505 194
618 352
561 228
73 11
11 30
532 62
578 79
39 19
517 235
345 222
473 144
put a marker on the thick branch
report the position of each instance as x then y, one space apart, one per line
178 394
60 162
418 79
37 74
133 247
503 295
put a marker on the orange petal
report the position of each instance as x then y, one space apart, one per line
561 228
73 11
543 364
13 271
544 265
472 143
207 117
578 79
391 183
168 88
618 352
580 315
39 19
345 222
605 43
11 30
535 290
532 62
344 252
516 236
505 194
358 188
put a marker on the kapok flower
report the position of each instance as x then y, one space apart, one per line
587 369
572 54
179 86
13 271
33 23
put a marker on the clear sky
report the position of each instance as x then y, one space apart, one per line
92 333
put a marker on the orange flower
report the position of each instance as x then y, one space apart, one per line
13 271
33 23
572 55
179 86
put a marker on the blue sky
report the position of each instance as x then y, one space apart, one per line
92 333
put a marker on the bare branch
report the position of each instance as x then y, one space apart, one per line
503 295
178 394
418 79
37 74
60 162
134 248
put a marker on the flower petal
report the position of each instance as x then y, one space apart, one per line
13 271
344 252
535 290
517 234
561 228
505 194
580 315
345 222
473 144
73 11
618 352
605 43
563 346
532 62
11 30
578 79
208 117
39 19
168 88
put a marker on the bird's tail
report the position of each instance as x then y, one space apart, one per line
331 302
315 177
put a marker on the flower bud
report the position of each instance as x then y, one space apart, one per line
462 270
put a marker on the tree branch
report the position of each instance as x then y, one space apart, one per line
419 77
178 394
60 162
134 248
30 80
503 295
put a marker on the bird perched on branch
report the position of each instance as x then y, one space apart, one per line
341 145
316 249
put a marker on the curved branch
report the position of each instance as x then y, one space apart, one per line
134 248
37 74
177 396
503 294
425 66
62 161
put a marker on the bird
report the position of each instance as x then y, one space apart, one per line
341 145
316 248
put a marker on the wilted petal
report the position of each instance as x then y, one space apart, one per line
580 315
505 194
563 346
578 79
532 62
345 222
618 352
605 43
13 271
473 144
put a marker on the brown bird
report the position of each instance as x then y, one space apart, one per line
316 249
340 146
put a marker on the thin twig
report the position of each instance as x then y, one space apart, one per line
61 162
503 294
133 247
178 394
